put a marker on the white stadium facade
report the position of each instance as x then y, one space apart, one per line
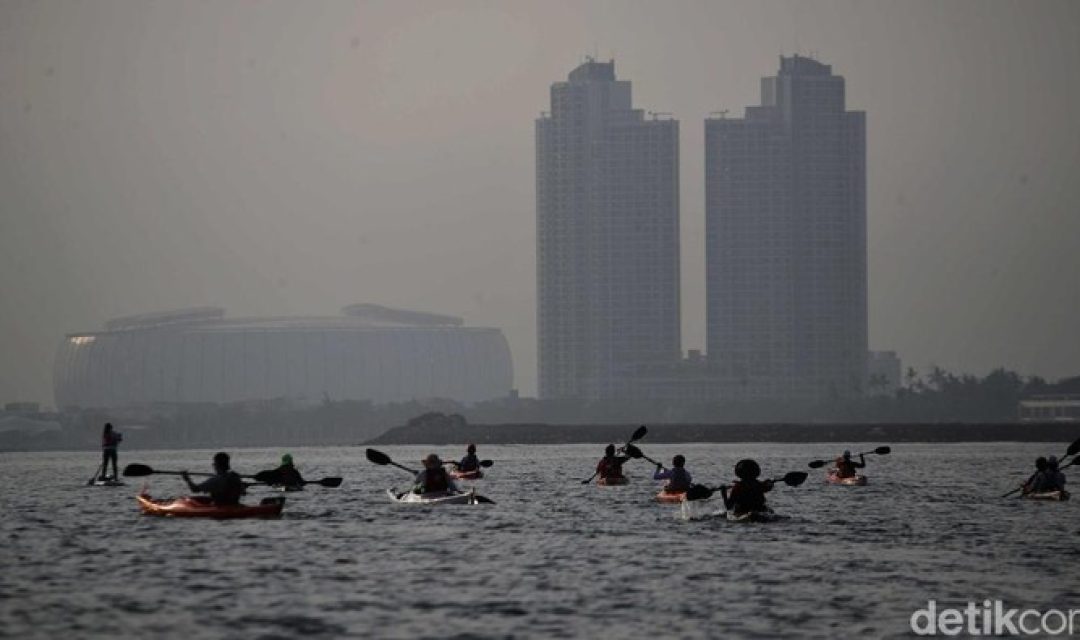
198 355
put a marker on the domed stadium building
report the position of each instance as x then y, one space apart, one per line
199 356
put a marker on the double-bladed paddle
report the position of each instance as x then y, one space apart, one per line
136 470
483 463
701 492
881 451
272 476
635 452
638 434
380 458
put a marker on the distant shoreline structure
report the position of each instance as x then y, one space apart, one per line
436 434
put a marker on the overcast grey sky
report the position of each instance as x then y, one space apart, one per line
292 158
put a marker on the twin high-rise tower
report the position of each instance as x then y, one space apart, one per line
785 242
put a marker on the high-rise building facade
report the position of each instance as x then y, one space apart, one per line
786 240
607 223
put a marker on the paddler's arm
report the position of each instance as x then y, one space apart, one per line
191 485
861 463
729 502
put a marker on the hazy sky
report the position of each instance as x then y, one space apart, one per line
294 157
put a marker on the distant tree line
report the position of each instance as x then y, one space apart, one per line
937 396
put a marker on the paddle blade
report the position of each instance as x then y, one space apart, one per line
633 451
883 451
699 492
817 464
136 470
483 500
486 463
639 433
330 482
269 476
1073 449
795 478
378 457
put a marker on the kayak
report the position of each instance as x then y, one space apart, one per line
409 497
475 474
201 507
1048 495
287 488
671 496
612 482
109 483
753 516
855 481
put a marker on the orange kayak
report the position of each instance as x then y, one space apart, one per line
475 474
671 496
612 482
854 481
201 507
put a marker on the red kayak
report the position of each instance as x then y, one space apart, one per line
201 507
612 482
671 496
475 474
854 481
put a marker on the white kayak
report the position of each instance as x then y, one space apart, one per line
1047 495
753 516
408 497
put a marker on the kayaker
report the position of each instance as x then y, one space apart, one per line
845 466
287 475
434 478
610 466
1041 480
1055 475
110 440
470 462
748 493
225 486
678 478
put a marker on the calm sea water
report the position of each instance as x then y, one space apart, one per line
552 558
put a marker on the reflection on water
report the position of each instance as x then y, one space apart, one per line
553 558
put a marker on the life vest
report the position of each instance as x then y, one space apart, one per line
436 480
679 481
844 468
469 463
609 467
110 440
747 495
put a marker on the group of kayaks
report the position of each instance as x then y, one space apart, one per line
203 507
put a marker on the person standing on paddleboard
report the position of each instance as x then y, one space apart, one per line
110 440
845 467
610 466
470 462
225 486
748 493
678 477
434 478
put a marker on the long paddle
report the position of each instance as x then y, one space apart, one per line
483 463
881 451
638 434
380 458
136 470
634 452
271 477
701 492
94 477
1073 449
